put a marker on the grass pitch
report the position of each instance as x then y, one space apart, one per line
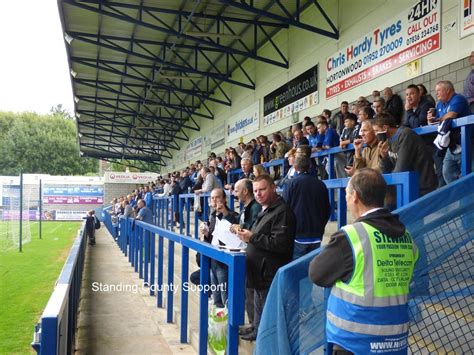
27 280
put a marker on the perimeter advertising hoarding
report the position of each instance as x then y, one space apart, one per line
296 95
408 36
97 191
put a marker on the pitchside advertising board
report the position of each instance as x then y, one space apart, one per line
411 35
296 95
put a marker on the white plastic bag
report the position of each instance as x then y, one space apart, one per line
197 204
217 331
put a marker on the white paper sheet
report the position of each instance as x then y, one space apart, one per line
223 233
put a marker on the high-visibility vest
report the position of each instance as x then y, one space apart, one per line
368 314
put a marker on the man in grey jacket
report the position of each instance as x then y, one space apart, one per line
404 150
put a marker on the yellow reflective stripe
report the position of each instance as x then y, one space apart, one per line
356 284
369 329
360 290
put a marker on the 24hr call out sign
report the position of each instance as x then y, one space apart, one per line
409 36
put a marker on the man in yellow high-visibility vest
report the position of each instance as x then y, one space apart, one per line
369 265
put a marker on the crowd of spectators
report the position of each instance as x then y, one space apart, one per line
277 228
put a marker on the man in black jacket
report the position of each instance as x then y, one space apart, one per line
309 199
404 150
270 243
243 190
393 104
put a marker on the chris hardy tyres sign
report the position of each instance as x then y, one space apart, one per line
296 95
411 35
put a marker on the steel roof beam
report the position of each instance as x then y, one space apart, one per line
169 65
187 14
290 20
139 100
124 146
155 86
128 163
124 17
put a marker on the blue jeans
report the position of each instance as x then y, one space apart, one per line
219 275
451 166
300 249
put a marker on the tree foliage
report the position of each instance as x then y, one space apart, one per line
47 144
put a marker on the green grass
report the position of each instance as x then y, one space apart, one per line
27 280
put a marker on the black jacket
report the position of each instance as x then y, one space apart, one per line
409 153
336 262
249 214
271 245
232 217
308 197
417 118
395 107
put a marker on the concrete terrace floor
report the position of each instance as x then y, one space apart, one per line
127 320
120 322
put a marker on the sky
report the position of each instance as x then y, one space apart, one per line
34 74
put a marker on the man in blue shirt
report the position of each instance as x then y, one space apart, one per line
331 138
144 213
450 106
312 135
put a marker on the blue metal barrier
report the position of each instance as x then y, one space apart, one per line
465 123
138 240
406 183
56 330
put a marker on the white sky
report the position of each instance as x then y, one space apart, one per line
34 74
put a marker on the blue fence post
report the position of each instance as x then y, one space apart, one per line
205 209
184 294
196 221
159 294
152 264
136 247
130 243
188 216
146 242
331 191
411 190
466 154
180 211
169 297
140 253
236 303
341 208
203 306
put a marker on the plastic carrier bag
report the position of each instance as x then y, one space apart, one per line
217 332
197 204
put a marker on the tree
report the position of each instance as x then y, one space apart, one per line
60 111
32 143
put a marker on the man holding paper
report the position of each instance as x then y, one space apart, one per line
218 234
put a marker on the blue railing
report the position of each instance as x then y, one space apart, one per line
143 243
55 333
406 184
464 123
